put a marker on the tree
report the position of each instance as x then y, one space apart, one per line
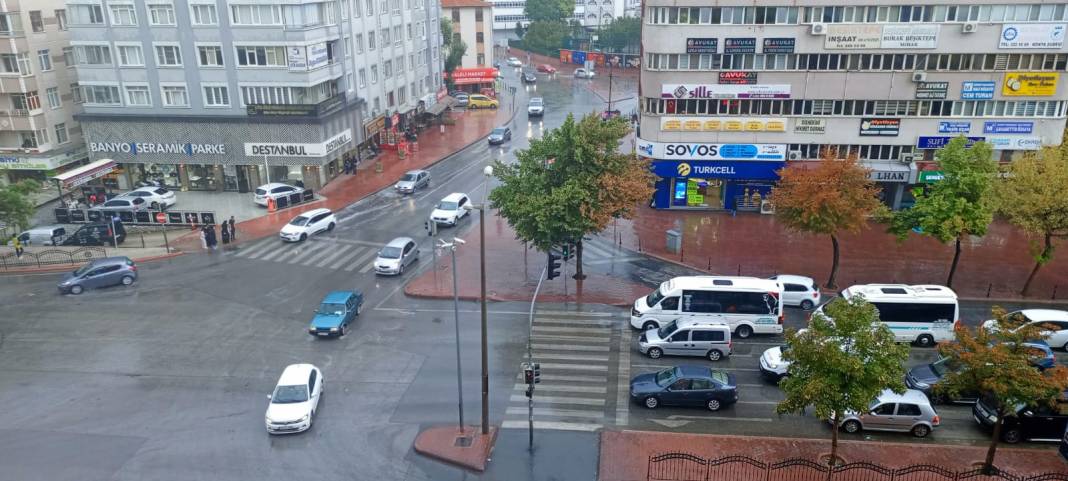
835 196
545 37
548 10
997 364
841 363
519 30
1033 198
454 47
16 205
623 34
959 205
570 183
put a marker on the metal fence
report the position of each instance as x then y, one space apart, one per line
50 257
677 466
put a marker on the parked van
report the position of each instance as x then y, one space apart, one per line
687 337
96 234
747 304
43 236
922 314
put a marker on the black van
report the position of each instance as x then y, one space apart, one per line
1039 422
96 234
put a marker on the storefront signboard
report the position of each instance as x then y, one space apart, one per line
779 45
931 176
722 124
321 149
909 36
954 127
718 91
1008 127
135 148
298 58
739 45
702 45
26 163
717 169
879 127
375 126
1030 84
737 78
470 76
937 142
932 90
1015 143
853 36
977 90
1033 35
702 151
810 126
885 174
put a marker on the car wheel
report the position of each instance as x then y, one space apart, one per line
650 325
1012 436
341 330
925 341
76 289
807 305
655 353
358 307
127 280
303 237
330 227
852 426
400 271
743 332
713 405
921 430
714 355
1065 347
651 402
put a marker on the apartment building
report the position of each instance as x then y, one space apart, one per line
38 133
472 24
225 95
732 93
591 13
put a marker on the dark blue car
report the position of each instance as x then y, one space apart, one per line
686 385
337 311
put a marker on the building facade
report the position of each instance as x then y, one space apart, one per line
591 13
38 133
227 95
472 24
732 93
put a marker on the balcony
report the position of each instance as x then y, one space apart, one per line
17 119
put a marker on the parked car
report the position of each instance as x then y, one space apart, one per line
536 107
96 234
514 62
157 197
925 377
529 77
500 135
1036 422
546 68
798 291
685 385
308 224
117 204
42 236
399 253
1054 324
413 180
461 98
295 399
451 209
687 338
274 190
108 271
772 364
584 73
335 313
909 412
1040 354
479 101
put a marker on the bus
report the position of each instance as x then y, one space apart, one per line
921 314
747 304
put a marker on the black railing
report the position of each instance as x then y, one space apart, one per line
50 257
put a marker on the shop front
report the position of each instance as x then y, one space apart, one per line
474 80
18 166
373 130
713 176
892 179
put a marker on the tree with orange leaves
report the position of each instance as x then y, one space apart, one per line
832 197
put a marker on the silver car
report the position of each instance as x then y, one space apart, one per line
910 412
396 255
687 338
109 271
412 181
122 204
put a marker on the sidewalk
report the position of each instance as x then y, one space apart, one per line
625 454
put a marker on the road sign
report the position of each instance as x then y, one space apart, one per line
161 217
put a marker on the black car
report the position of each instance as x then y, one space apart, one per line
1039 422
96 234
926 376
529 77
686 385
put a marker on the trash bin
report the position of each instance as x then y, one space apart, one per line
674 241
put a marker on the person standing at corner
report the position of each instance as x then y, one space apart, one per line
17 244
203 237
212 240
233 231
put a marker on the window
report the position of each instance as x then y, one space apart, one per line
138 96
210 56
371 41
915 312
53 97
61 19
76 93
884 409
100 94
203 14
384 36
68 56
216 96
455 15
130 56
266 95
370 7
348 47
681 385
359 43
261 56
93 54
479 38
478 15
409 28
168 56
363 78
24 63
669 304
123 14
374 76
256 14
33 101
36 22
9 63
701 335
44 60
161 14
174 96
87 14
387 69
61 133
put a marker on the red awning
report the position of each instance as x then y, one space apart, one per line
470 76
85 173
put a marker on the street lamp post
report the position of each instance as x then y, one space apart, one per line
488 172
451 246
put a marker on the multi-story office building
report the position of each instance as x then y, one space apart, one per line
591 13
230 94
38 133
471 23
731 93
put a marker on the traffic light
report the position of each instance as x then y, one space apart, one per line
537 373
531 373
554 264
568 251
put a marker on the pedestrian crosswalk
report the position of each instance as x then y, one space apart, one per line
347 255
576 351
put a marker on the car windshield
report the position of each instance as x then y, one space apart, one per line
161 191
719 376
447 205
332 309
390 253
260 191
290 394
498 131
942 366
299 221
535 101
654 298
665 377
667 330
409 177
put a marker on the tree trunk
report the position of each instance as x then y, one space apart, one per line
578 262
1047 248
834 263
953 266
988 464
834 446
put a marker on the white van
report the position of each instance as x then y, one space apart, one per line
923 314
42 236
747 304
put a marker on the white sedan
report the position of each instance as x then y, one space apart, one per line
156 197
308 224
1054 324
295 399
274 191
514 62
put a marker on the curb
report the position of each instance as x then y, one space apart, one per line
65 268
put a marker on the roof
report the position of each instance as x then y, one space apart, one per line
85 173
808 281
693 370
900 291
416 171
111 260
722 282
454 197
338 297
273 185
399 242
295 374
685 323
909 396
1045 314
464 4
314 212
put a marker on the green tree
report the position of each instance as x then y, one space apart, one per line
996 363
841 363
545 37
454 47
1033 198
959 205
548 10
519 30
16 204
570 183
834 197
623 34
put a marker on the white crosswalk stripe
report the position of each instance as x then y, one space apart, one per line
330 253
334 254
342 261
595 250
306 252
280 250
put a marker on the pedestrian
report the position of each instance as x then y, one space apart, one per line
17 244
225 233
212 240
233 231
203 237
346 169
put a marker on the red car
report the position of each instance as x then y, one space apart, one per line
546 68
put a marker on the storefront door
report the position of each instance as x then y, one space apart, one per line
698 193
243 184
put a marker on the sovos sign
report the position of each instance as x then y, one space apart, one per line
701 151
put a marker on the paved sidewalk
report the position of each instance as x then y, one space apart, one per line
625 455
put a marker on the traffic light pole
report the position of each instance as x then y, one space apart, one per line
530 362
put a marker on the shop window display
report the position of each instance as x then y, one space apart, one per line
165 174
201 176
695 192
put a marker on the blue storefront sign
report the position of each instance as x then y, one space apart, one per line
1008 127
954 127
718 169
578 57
977 91
713 184
937 142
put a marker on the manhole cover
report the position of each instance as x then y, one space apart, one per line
463 442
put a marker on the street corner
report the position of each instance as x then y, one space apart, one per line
467 447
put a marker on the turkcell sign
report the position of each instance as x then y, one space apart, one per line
134 148
938 142
722 169
693 151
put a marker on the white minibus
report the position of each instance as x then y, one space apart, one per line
922 314
747 304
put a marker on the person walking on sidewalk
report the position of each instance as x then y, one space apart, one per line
212 240
225 233
233 231
203 238
17 244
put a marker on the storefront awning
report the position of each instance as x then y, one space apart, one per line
441 105
85 173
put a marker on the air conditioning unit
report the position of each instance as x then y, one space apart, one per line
766 207
794 155
919 76
969 27
819 29
907 158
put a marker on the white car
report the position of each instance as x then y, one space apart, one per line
584 73
295 399
274 190
399 253
451 209
1054 324
156 197
308 224
772 364
798 291
536 106
514 62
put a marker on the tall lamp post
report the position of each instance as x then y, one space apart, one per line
488 172
451 246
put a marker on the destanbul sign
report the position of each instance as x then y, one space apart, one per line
260 149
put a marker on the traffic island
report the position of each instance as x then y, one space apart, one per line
469 449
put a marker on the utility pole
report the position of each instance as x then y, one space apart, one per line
532 379
451 246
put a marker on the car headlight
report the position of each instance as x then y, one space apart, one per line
333 329
772 365
268 419
921 385
305 417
